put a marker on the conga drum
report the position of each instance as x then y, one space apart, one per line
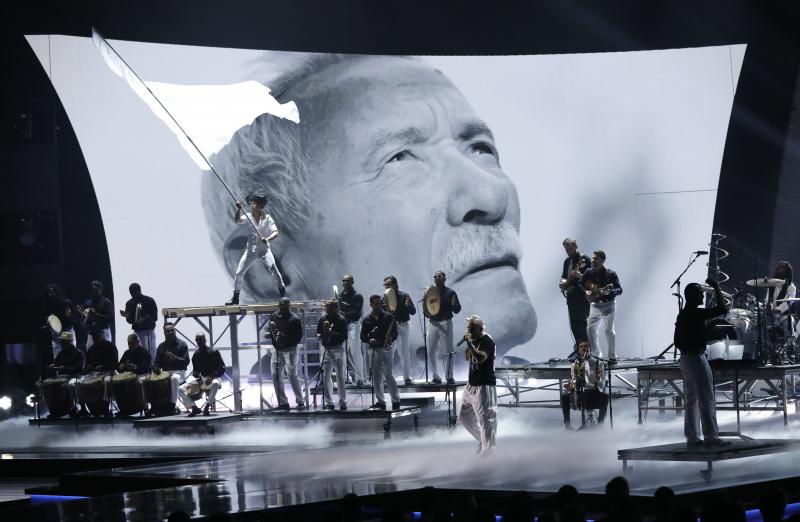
57 396
157 391
91 390
127 393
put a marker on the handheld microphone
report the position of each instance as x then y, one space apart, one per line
700 252
462 341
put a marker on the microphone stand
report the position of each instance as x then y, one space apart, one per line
677 294
607 364
425 338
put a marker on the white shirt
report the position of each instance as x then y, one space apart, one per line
266 226
772 296
593 374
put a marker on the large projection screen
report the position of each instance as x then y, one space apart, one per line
620 151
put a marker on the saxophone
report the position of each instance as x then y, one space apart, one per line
388 340
578 384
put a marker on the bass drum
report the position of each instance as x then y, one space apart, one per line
431 301
127 393
57 396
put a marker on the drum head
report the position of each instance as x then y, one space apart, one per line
390 298
431 300
335 292
55 323
124 376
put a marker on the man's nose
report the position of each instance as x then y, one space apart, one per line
479 196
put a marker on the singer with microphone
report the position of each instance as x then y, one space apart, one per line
379 331
602 288
479 400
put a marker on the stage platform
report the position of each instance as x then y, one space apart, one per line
183 422
557 371
387 416
82 422
450 391
740 447
740 385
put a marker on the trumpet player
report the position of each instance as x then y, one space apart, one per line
379 330
207 368
141 313
286 331
479 401
402 314
332 334
440 330
584 391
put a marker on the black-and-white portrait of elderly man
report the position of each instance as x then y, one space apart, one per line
389 171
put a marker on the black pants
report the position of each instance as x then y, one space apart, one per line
592 400
578 309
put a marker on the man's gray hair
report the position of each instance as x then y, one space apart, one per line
477 321
268 154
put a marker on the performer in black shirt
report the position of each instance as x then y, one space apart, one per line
207 368
69 363
141 313
698 381
332 334
98 312
379 331
136 358
479 400
440 330
351 304
61 307
602 287
101 358
286 332
578 307
405 309
173 356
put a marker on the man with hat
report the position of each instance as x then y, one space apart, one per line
257 248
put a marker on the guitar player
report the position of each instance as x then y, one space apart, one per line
601 287
577 306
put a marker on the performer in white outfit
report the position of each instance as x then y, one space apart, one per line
602 288
256 248
479 401
698 381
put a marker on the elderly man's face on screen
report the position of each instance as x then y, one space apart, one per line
405 178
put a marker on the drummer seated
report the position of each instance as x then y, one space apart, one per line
593 401
68 363
173 356
135 359
207 368
101 357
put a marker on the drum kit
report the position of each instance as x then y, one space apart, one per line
763 332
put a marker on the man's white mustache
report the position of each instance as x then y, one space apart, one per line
471 246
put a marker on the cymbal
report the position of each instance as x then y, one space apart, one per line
787 300
765 282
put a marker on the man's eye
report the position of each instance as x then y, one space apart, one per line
403 155
482 147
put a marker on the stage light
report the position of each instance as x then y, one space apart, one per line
30 400
5 403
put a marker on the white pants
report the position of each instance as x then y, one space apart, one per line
280 360
330 357
382 369
248 258
147 340
57 342
601 318
354 347
105 332
193 381
176 378
440 342
698 387
401 344
479 414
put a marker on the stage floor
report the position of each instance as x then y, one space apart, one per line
253 466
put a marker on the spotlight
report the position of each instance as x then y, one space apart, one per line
5 403
30 400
